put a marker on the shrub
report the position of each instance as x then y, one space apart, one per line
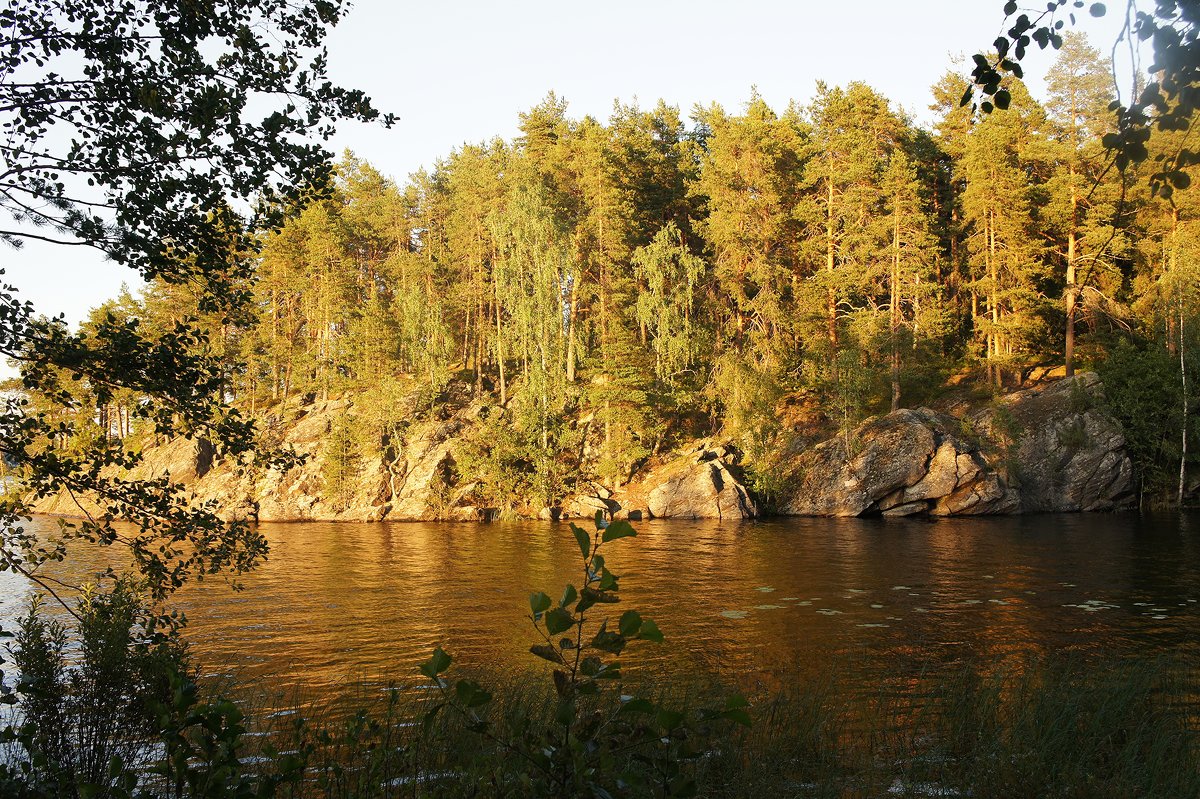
89 696
596 741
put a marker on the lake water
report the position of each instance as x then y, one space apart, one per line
342 604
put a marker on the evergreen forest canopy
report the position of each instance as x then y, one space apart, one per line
636 282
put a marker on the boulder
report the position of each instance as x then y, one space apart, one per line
585 507
427 461
1050 448
907 462
700 483
183 460
1059 447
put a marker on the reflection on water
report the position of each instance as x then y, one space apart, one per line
764 601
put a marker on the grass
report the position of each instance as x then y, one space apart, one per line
1043 728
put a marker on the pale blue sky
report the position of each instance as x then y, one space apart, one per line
461 71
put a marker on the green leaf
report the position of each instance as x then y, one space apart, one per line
607 641
563 686
738 716
559 620
638 705
436 664
1097 10
650 632
591 666
618 529
592 597
431 714
1010 8
600 523
668 719
1002 99
631 622
736 701
539 603
546 652
608 581
583 539
471 693
569 595
683 787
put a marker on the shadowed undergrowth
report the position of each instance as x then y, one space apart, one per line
1050 727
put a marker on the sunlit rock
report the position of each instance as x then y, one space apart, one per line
1048 448
702 482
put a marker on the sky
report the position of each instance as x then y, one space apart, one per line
456 72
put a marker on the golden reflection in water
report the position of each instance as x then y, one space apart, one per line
878 602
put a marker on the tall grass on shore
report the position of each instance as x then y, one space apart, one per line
1049 727
1045 728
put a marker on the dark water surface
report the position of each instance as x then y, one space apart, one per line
340 604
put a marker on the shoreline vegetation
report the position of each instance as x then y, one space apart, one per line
1056 445
1041 726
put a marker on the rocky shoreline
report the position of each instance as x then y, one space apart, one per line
1048 448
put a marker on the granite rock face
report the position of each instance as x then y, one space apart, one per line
702 483
908 462
1064 452
1046 449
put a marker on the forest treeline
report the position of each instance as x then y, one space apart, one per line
613 287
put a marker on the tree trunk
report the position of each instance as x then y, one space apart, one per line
500 352
1070 292
571 323
830 265
1072 255
894 301
1183 428
994 304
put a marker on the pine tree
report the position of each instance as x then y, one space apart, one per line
1000 171
1079 91
750 177
912 292
854 133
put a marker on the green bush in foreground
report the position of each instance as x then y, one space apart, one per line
85 717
